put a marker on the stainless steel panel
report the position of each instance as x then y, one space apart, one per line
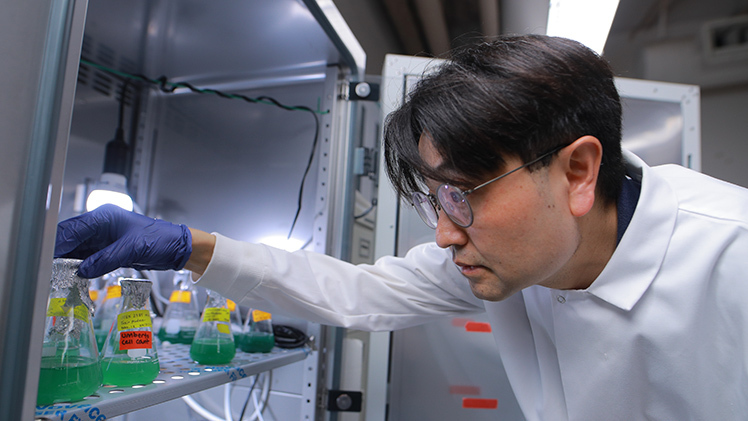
653 130
250 158
218 41
233 167
436 365
273 48
38 84
212 43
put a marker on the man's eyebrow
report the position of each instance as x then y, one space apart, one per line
448 175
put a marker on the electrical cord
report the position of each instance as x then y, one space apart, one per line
195 406
249 395
122 96
306 171
289 337
259 403
169 87
367 211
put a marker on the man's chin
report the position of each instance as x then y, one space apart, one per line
487 294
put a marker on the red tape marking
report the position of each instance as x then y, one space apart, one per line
477 327
464 390
478 403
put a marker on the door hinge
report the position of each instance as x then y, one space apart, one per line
359 91
344 400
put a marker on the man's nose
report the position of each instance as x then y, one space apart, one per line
448 233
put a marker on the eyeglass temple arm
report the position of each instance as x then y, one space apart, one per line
551 152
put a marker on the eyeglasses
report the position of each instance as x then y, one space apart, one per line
454 201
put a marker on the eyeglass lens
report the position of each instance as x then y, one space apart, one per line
451 199
425 209
455 205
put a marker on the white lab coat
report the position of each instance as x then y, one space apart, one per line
661 334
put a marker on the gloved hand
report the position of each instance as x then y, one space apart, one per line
110 237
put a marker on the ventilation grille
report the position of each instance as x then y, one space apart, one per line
726 39
98 82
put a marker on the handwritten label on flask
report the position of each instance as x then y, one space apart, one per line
134 320
136 340
216 315
58 308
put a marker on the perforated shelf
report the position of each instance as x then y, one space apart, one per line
179 376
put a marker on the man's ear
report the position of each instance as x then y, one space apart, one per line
582 164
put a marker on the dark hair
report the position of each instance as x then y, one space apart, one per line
514 96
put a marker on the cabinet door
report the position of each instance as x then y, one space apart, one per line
40 42
439 370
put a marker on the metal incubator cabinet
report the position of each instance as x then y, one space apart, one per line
225 108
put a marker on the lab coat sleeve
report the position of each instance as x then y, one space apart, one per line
391 294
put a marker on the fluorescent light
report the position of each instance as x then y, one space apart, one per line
586 21
110 189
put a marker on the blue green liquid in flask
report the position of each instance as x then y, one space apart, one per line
214 341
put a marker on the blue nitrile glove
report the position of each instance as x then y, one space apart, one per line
109 237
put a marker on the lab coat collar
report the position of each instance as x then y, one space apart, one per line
635 263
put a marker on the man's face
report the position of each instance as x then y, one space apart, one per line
522 234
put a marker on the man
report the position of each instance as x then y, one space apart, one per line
615 290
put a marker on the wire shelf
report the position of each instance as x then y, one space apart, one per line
179 376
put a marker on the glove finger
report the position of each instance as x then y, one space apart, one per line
113 257
82 235
70 241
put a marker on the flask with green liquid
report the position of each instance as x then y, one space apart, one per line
214 342
182 315
109 307
129 356
70 368
237 326
258 332
111 303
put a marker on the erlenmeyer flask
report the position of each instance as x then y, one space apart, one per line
109 307
237 327
70 368
107 311
129 356
94 292
182 315
214 343
258 332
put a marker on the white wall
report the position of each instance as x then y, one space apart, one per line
676 53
